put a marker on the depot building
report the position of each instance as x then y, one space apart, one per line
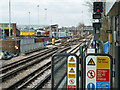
5 29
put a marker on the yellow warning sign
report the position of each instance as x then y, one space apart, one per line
71 64
71 75
72 60
91 62
71 70
103 62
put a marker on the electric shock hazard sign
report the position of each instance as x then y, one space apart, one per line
91 62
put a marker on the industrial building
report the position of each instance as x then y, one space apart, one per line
113 13
5 29
27 32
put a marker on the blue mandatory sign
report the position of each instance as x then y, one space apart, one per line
103 85
91 86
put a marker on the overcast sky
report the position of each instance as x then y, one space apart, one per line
62 12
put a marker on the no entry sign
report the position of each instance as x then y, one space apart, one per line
98 71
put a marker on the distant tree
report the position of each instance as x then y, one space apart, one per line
80 25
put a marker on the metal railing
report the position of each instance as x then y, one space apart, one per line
58 70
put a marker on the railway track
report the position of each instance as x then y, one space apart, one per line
24 82
10 66
47 80
43 81
41 84
32 78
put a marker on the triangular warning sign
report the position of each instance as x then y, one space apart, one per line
72 71
71 60
91 62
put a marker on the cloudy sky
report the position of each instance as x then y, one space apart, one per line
62 12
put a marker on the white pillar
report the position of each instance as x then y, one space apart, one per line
38 14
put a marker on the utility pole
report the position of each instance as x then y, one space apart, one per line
45 15
38 14
9 18
29 23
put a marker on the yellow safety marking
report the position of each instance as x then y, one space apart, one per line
72 60
110 38
71 64
91 62
71 75
72 70
103 62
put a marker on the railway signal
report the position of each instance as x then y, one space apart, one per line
98 7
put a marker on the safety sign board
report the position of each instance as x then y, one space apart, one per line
90 50
91 74
71 64
91 62
91 85
98 71
72 60
103 75
102 85
71 81
71 72
73 87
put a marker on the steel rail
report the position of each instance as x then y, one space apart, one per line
5 77
31 76
47 78
24 61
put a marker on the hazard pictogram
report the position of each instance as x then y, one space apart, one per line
72 60
72 81
71 70
91 62
91 74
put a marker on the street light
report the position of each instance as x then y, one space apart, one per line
29 23
9 17
38 14
45 15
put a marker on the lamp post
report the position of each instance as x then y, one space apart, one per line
9 18
45 15
38 14
29 23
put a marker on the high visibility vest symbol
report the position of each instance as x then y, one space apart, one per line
72 70
71 60
91 62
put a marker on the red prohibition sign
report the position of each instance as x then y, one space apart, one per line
91 74
72 81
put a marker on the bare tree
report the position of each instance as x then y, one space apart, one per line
80 25
90 5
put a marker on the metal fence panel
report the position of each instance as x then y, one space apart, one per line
29 47
27 41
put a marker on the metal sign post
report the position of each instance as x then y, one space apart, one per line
98 72
117 67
